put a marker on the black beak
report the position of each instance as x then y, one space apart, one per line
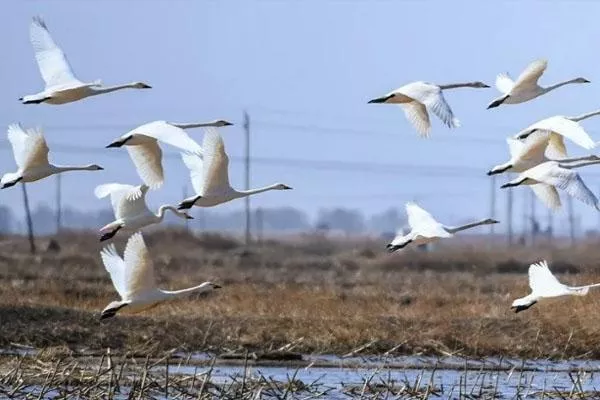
380 99
286 187
145 86
118 143
100 168
485 86
494 221
20 99
586 81
227 123
215 286
188 217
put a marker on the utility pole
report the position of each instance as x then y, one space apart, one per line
493 205
259 225
571 220
58 204
247 177
28 218
534 224
509 212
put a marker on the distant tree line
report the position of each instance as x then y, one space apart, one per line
281 219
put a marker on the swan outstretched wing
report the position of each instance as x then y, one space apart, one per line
196 166
556 147
115 266
423 223
126 200
216 163
569 181
530 148
52 62
417 115
567 128
172 135
139 269
436 102
542 282
547 195
530 76
147 158
504 83
29 146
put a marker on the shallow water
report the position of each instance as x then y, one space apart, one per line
446 376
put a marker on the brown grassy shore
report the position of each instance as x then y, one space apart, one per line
326 297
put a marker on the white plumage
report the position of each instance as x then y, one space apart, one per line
31 155
544 284
133 278
526 86
61 84
130 209
210 176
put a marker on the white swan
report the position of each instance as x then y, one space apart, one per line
417 98
31 155
530 151
61 84
562 127
142 146
526 86
544 285
425 229
549 175
129 205
133 278
210 176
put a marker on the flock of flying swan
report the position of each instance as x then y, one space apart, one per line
538 154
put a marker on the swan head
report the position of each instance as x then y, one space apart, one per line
522 304
498 169
140 85
281 186
221 122
480 85
94 167
580 80
381 99
490 221
210 286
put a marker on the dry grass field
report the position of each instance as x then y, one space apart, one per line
328 297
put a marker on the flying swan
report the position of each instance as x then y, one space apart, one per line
130 209
544 285
419 98
133 278
142 145
557 174
31 155
425 229
210 176
526 86
562 127
61 84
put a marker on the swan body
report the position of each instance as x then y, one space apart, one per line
210 177
31 155
133 278
130 209
544 284
526 86
425 229
546 177
561 127
61 84
530 151
142 145
417 99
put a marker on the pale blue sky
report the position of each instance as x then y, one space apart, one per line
304 71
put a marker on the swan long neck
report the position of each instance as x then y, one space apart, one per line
65 168
258 190
162 209
183 292
454 229
108 89
584 116
194 125
556 86
581 164
459 85
573 159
